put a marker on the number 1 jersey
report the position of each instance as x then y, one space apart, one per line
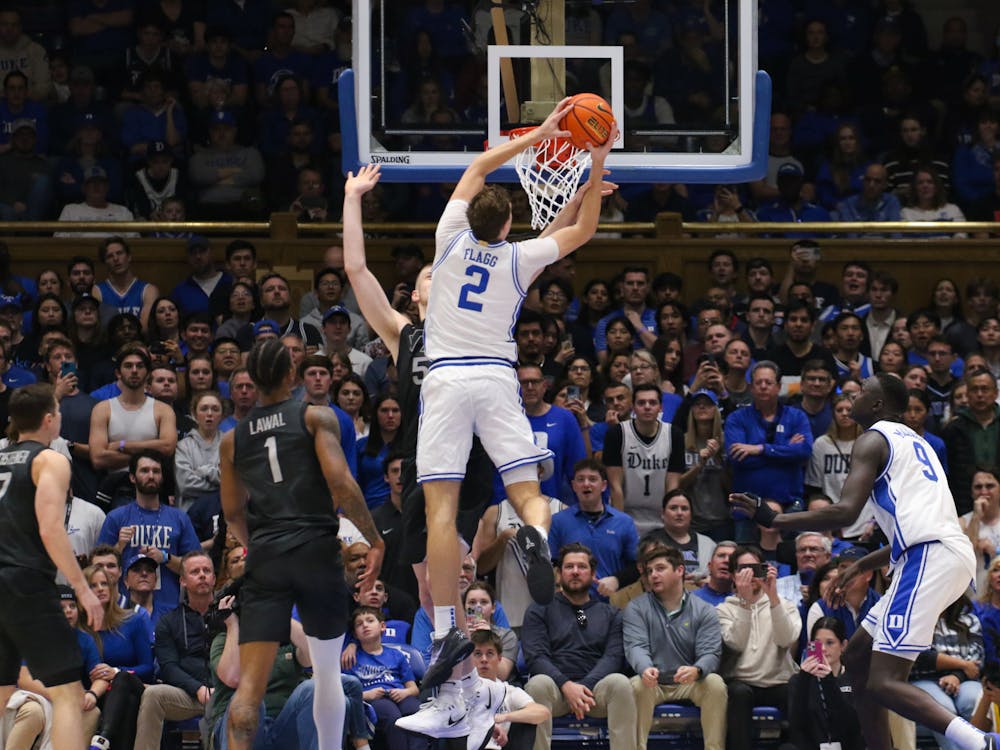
275 457
477 290
910 499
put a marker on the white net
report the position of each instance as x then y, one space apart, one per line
550 173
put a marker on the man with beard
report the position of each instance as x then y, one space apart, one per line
132 422
575 654
148 527
276 305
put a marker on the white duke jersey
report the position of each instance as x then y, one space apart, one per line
911 500
477 290
644 467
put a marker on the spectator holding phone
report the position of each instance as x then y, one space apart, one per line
760 629
820 710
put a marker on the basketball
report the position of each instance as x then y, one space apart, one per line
589 120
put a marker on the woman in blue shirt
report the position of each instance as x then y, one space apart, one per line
374 448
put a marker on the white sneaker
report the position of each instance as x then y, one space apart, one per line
443 717
484 701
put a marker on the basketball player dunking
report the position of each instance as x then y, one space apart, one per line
897 475
283 476
478 284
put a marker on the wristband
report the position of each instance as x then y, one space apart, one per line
166 557
121 446
91 692
764 515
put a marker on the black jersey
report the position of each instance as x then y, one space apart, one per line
275 457
411 364
22 543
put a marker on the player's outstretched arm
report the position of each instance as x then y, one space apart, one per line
867 459
571 211
375 307
475 174
51 474
232 492
571 237
322 423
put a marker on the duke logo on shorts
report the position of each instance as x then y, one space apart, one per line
931 558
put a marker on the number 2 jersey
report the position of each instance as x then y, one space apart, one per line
275 457
910 500
477 290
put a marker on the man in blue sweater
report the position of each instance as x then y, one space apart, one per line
768 443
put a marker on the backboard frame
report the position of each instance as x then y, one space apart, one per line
748 163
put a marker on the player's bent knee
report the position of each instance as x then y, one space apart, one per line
243 720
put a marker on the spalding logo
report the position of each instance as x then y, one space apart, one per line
598 127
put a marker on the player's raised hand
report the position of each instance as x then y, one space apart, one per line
366 179
837 592
550 128
599 153
372 567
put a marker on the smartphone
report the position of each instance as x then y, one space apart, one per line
567 341
67 368
815 650
759 570
573 392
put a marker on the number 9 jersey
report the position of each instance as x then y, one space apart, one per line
911 500
477 290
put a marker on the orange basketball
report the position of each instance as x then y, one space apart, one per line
589 120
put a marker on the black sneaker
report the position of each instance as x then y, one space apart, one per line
446 654
538 570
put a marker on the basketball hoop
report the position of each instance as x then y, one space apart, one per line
550 172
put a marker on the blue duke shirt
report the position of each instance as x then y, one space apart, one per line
168 529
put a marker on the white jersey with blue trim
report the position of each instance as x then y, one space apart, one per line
911 500
477 290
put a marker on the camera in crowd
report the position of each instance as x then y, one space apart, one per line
215 618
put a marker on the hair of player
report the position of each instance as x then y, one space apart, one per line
28 406
894 393
488 211
269 364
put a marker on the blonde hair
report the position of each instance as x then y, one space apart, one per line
690 434
987 596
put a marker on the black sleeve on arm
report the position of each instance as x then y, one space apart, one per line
613 439
676 462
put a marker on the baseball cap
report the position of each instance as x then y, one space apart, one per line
66 593
94 173
266 326
336 310
222 117
789 169
144 559
852 553
710 395
197 242
11 300
158 148
23 122
84 299
88 120
349 534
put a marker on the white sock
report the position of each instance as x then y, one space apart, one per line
329 704
444 620
963 734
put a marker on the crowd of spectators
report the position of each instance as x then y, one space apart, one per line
173 109
656 405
